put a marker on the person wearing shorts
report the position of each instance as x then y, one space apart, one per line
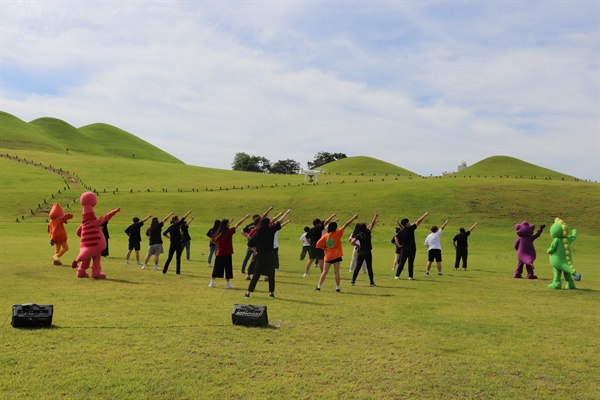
331 243
155 247
433 242
133 231
315 254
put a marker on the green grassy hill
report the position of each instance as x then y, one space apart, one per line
54 135
361 165
509 167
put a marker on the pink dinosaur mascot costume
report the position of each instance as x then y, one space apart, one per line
57 232
92 240
525 248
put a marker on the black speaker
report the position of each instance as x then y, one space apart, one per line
32 315
249 315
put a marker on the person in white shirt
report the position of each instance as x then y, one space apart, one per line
433 242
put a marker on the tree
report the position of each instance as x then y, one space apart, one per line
246 162
323 158
285 167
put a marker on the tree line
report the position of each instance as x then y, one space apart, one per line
251 163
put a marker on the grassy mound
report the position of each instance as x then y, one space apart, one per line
504 166
55 135
362 165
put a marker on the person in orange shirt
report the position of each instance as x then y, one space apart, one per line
57 232
331 243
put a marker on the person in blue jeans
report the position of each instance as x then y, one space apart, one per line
212 247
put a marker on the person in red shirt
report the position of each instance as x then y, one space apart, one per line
331 243
223 238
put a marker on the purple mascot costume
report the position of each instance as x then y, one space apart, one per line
525 248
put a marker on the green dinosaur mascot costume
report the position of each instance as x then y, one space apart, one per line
561 257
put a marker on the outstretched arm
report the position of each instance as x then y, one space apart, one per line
372 224
422 218
473 227
186 214
146 219
328 220
444 225
167 217
282 217
241 220
349 221
539 232
267 212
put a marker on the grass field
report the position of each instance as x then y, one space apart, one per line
478 334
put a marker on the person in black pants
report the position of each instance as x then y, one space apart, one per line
406 239
261 243
362 238
461 245
173 232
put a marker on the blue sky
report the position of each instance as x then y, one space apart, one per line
423 85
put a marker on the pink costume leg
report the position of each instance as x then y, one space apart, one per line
97 268
81 271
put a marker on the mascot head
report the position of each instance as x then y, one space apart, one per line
56 211
524 229
559 229
88 201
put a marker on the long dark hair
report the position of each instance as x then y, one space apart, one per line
263 223
221 229
153 224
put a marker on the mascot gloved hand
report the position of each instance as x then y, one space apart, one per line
57 232
525 249
92 240
561 257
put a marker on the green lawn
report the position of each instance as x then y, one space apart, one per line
478 334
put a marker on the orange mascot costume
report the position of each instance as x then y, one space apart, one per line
57 232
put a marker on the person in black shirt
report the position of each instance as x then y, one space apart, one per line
362 237
406 240
313 236
245 232
212 247
261 243
173 232
186 239
135 238
155 241
461 245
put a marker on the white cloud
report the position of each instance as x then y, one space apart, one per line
421 85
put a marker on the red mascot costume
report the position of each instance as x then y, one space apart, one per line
92 240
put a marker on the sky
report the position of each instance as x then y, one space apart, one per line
424 85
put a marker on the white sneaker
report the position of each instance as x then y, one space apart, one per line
426 272
229 286
410 278
305 274
156 268
396 277
144 266
126 261
211 284
139 263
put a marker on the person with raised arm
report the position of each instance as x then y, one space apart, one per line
363 237
223 238
406 239
433 241
461 245
331 243
133 231
314 234
173 232
261 243
155 245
